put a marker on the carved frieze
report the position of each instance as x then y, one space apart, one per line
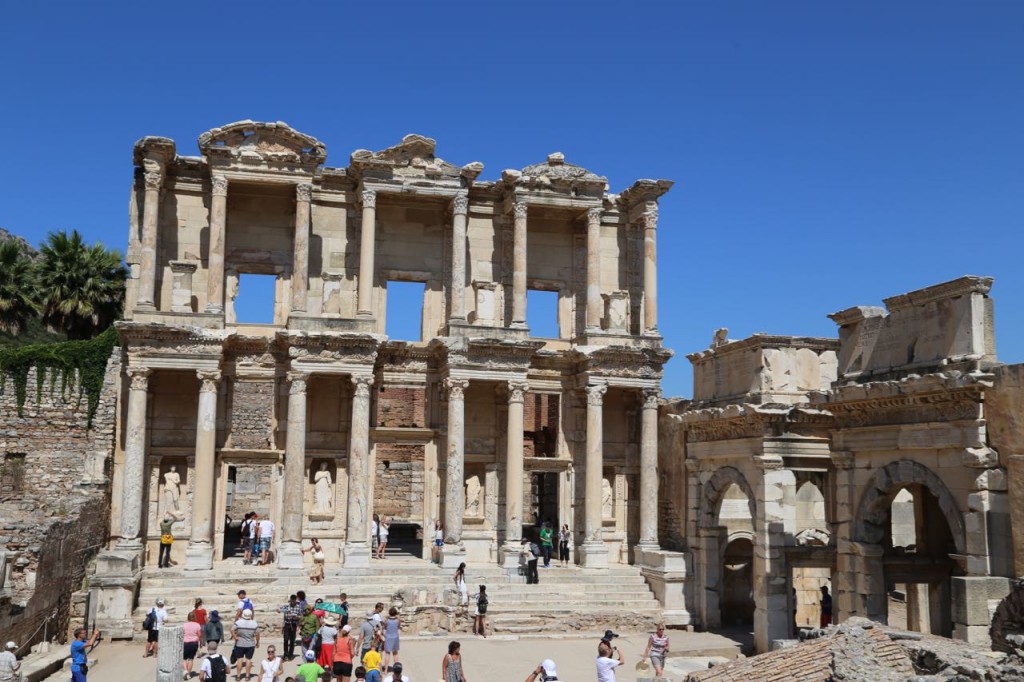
945 397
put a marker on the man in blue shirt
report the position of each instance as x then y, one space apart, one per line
79 653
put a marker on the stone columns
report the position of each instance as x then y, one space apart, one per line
650 223
181 287
519 265
460 210
357 548
455 479
300 267
367 245
594 301
593 553
775 522
170 653
649 469
199 554
154 181
514 474
290 549
215 255
134 460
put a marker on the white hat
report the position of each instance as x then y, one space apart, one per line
160 602
549 667
247 613
346 628
12 645
310 655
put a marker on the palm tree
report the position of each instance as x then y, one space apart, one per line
81 287
17 288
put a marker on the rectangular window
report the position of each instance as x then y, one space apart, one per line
542 313
255 301
403 319
12 472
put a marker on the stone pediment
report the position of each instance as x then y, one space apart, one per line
556 175
412 158
254 141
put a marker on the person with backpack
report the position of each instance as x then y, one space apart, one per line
531 552
243 603
213 630
214 667
480 617
248 536
154 619
544 672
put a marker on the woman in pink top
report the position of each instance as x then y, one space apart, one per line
193 631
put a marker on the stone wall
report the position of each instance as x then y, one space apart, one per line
398 485
401 407
54 503
252 413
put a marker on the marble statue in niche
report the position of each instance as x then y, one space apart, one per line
323 490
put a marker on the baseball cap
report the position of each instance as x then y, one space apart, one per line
609 635
11 645
310 656
549 667
346 628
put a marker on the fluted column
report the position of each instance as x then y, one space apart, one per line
519 265
289 552
134 459
460 209
455 481
594 268
215 254
199 554
367 246
593 553
649 470
357 548
514 472
300 266
650 223
154 182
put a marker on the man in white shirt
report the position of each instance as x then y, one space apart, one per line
9 664
212 658
608 659
396 674
153 636
266 535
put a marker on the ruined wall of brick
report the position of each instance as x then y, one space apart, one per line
540 425
252 412
399 407
398 486
55 509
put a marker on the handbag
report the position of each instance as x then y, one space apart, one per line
318 556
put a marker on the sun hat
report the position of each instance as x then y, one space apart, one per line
247 613
609 635
310 655
12 645
642 666
331 619
549 667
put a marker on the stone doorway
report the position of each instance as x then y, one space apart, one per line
544 498
737 600
245 486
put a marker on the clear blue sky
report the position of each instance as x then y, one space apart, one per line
825 154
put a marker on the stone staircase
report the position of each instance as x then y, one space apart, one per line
566 600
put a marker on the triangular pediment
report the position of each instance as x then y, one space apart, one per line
256 140
413 157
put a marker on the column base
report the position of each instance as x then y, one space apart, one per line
452 555
593 555
357 555
198 556
289 555
112 590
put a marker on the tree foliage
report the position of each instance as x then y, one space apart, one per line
18 291
81 287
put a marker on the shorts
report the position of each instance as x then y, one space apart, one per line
438 543
77 676
246 543
341 669
153 636
191 649
658 661
240 652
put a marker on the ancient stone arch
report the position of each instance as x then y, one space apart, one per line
713 490
873 512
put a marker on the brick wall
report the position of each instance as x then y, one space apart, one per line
398 487
399 407
540 425
55 503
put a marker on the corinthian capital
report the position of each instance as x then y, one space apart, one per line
369 198
517 391
595 394
650 218
594 216
208 380
362 383
303 191
652 397
297 382
456 388
460 204
220 186
519 209
139 377
154 179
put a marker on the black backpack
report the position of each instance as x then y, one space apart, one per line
481 605
150 621
218 669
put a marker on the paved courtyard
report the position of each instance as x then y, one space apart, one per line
494 658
